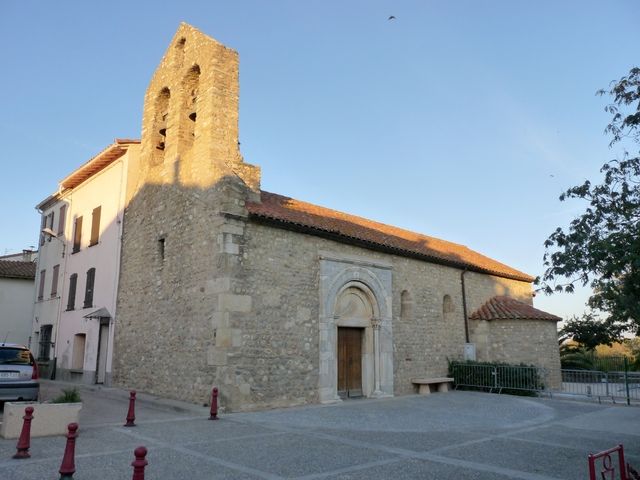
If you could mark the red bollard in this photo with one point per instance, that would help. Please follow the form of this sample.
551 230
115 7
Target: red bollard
214 404
68 466
139 463
25 436
131 414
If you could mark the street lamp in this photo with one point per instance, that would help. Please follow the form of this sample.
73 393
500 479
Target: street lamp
51 234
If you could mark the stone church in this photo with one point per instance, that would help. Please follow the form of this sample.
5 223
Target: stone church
277 301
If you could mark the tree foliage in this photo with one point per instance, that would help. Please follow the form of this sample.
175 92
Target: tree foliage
589 332
601 248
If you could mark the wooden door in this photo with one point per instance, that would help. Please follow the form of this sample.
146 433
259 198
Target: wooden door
349 362
103 341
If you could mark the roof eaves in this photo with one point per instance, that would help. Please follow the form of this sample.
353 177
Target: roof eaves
97 163
339 236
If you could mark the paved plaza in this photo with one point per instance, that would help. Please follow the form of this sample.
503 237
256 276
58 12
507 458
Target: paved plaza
457 435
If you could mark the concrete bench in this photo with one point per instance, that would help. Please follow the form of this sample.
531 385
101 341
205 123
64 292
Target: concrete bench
424 384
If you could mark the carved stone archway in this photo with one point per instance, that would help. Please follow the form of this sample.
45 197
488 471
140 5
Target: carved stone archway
356 292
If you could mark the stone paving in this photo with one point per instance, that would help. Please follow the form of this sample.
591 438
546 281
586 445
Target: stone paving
458 435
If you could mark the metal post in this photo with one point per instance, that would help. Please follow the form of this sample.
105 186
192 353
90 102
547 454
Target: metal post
592 467
139 463
213 414
626 379
494 372
131 414
25 436
68 466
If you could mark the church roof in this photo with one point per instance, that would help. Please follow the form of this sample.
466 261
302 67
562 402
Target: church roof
13 269
507 308
297 215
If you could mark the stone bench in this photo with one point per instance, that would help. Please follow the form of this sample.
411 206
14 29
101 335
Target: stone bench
424 384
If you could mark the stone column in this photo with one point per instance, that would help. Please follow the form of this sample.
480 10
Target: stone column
375 324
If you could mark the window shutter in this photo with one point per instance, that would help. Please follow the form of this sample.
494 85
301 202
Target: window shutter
88 293
41 288
95 226
71 300
77 235
54 280
61 219
43 223
50 223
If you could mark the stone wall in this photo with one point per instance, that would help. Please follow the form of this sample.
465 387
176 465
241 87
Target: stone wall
281 273
532 342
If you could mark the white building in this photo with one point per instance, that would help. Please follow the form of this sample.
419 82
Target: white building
17 274
78 268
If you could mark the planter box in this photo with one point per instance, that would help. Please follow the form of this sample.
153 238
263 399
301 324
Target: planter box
48 418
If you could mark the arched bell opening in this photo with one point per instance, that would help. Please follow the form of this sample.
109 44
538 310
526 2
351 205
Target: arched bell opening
189 114
160 125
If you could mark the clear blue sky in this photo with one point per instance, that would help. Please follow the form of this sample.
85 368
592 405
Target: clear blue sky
462 120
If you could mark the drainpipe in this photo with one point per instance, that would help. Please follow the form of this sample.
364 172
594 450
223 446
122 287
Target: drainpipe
464 306
65 235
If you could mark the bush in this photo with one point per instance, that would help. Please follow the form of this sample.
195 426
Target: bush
68 395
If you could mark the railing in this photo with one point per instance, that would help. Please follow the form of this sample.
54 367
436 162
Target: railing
499 378
603 464
623 385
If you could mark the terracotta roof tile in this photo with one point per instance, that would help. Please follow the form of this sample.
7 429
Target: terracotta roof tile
11 269
294 214
507 308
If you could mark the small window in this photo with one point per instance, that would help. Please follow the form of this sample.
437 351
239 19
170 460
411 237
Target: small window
54 280
79 342
161 247
88 293
41 288
45 342
448 308
77 234
61 219
406 305
95 226
71 300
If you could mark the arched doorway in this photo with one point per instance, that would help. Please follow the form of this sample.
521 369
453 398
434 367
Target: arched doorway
354 314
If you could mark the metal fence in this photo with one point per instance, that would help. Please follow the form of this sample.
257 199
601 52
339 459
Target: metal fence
620 385
498 378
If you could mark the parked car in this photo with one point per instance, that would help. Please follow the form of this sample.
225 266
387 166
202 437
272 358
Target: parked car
18 373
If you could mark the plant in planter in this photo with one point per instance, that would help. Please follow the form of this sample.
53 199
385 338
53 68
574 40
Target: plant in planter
68 395
49 418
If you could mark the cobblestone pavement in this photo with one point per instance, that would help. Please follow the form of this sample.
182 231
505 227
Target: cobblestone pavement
461 435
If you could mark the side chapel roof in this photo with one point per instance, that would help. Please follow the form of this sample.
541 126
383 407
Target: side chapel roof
297 215
507 308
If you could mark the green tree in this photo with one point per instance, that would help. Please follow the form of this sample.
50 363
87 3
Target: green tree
601 248
589 332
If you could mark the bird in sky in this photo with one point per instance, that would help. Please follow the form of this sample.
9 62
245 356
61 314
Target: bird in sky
391 17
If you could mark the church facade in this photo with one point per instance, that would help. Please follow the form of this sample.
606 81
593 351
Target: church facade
276 301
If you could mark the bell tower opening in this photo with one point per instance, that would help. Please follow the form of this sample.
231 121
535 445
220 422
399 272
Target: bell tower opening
160 125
